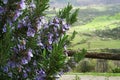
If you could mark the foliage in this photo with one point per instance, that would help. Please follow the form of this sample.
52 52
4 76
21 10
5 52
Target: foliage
85 66
116 70
32 47
80 55
66 14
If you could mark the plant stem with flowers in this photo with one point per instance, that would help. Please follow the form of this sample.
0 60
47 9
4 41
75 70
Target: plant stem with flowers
32 47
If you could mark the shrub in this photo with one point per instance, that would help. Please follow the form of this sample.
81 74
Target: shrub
32 47
116 70
85 66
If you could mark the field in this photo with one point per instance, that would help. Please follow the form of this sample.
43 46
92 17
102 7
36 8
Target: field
97 27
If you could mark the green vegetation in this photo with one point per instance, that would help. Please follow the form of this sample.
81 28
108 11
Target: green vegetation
101 30
116 70
101 23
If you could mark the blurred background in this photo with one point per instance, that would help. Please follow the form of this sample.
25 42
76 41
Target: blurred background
98 30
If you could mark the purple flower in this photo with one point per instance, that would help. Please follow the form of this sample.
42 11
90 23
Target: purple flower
24 61
57 34
66 26
29 24
25 75
21 47
39 24
63 29
11 64
57 25
50 38
41 45
50 35
30 32
1 10
24 21
56 20
17 14
50 41
5 1
22 4
30 53
5 69
40 75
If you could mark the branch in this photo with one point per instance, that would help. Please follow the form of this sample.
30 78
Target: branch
96 55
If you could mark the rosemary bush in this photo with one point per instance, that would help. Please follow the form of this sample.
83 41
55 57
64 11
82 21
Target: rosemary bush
31 46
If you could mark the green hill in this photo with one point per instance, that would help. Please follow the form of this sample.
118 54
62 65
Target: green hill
101 32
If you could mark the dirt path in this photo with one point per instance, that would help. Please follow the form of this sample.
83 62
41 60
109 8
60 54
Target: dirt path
89 77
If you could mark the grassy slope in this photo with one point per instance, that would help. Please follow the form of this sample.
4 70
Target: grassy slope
98 23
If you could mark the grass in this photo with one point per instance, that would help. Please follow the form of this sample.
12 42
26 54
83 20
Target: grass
94 74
